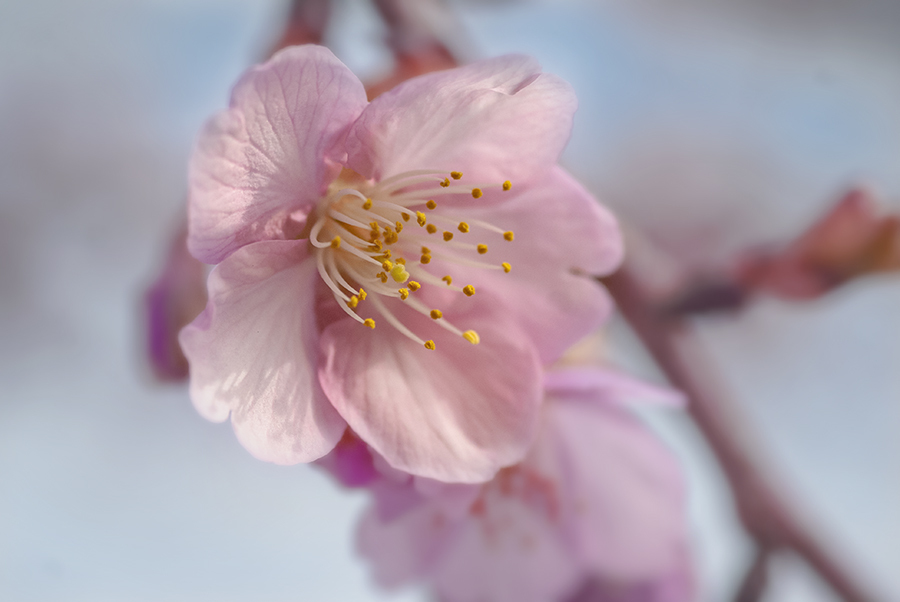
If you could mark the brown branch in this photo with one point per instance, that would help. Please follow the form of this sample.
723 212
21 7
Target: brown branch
754 584
417 48
762 510
305 23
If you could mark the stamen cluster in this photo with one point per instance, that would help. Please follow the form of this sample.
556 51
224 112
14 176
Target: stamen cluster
374 241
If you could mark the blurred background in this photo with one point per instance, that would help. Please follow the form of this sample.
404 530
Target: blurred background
710 127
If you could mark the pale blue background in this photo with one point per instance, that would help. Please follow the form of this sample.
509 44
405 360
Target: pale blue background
712 126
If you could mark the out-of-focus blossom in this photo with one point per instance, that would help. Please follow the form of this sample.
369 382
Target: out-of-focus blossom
853 239
595 511
403 267
175 298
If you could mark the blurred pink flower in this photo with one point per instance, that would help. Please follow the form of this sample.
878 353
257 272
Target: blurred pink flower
175 298
594 512
854 238
327 215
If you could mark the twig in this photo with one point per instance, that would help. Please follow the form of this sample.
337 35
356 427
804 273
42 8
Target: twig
416 45
763 512
305 23
754 584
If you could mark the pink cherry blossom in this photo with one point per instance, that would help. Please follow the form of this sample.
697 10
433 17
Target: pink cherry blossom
595 511
402 267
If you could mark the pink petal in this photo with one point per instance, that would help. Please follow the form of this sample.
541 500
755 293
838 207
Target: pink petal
518 558
350 462
625 487
511 547
405 545
455 414
252 354
563 237
608 385
266 157
493 120
453 499
512 556
399 492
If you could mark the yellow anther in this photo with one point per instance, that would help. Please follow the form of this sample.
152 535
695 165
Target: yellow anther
420 217
472 337
456 175
390 237
482 249
436 314
429 344
362 295
414 286
426 251
368 204
405 217
387 265
375 227
377 244
431 228
353 302
508 235
404 293
448 236
336 242
431 204
425 259
446 182
387 254
469 290
448 280
399 227
476 193
382 276
507 185
369 322
463 227
399 273
506 267
401 261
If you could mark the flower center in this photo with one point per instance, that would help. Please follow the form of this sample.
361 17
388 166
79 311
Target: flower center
376 240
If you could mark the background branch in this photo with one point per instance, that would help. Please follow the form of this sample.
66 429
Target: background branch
762 510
